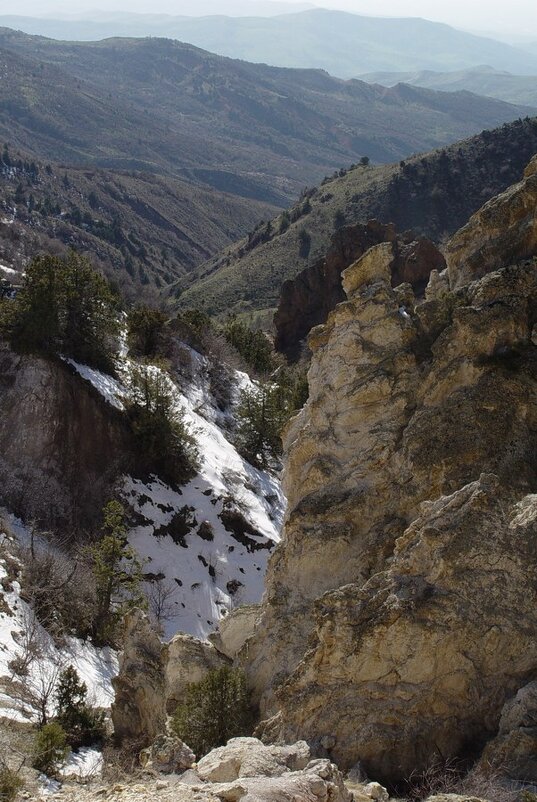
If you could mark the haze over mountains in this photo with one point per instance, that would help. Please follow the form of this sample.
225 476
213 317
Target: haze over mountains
255 131
344 44
190 8
210 145
482 80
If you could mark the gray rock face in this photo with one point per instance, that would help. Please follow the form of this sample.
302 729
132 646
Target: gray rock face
234 630
317 783
503 231
70 445
514 750
249 757
247 770
307 300
188 660
168 755
521 711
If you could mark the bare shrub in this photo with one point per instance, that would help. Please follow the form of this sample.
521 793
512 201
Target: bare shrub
35 690
450 777
10 782
30 643
122 763
222 359
489 782
161 596
440 777
59 588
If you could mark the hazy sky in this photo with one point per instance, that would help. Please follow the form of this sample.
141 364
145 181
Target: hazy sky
513 17
518 16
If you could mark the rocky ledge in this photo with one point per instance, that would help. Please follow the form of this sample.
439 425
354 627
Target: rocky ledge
307 300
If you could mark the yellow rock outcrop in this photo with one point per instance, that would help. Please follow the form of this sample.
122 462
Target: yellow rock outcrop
400 607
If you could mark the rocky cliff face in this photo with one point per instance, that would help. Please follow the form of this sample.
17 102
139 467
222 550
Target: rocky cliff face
502 232
399 612
139 707
69 446
307 300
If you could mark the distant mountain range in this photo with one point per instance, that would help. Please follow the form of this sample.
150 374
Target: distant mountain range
254 131
98 9
154 155
482 80
344 44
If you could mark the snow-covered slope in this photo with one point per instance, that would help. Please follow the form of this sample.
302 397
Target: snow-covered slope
206 545
23 638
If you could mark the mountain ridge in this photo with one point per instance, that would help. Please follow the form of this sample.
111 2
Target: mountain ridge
273 129
482 79
210 131
358 43
144 230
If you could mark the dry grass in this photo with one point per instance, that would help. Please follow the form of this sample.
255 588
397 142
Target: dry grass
122 763
489 783
449 777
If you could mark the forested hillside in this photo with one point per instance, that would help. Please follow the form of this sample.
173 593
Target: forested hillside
143 229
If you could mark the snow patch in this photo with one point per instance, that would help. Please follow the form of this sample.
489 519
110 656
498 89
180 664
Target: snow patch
206 545
111 389
95 666
87 763
48 786
9 270
208 542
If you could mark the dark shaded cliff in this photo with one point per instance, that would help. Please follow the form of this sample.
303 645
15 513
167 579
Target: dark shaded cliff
61 444
306 300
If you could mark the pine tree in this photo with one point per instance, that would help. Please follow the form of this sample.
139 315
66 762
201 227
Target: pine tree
64 306
264 410
118 575
145 330
261 414
304 243
214 710
82 725
50 748
163 442
32 321
19 194
254 347
88 313
70 695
